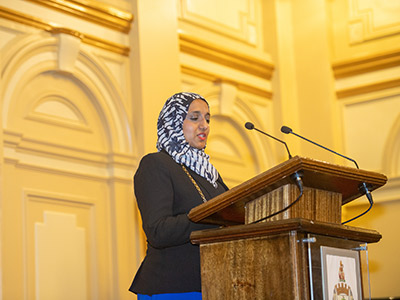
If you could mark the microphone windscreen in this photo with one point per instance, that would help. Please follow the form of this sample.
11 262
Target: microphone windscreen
249 125
286 129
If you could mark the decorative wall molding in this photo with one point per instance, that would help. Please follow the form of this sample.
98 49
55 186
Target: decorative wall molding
371 20
391 155
366 64
91 100
17 141
44 196
23 144
217 79
37 204
369 88
25 19
240 22
46 156
57 110
55 262
226 57
47 26
92 11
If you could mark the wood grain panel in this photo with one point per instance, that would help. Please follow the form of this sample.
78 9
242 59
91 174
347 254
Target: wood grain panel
252 269
271 260
315 204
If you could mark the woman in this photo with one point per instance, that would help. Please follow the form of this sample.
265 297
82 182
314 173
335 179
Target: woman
168 184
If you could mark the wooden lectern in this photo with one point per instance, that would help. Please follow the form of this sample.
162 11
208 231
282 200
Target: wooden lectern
280 257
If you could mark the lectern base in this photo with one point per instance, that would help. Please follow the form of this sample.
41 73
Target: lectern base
273 260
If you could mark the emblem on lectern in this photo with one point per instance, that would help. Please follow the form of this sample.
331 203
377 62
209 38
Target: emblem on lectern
341 274
342 291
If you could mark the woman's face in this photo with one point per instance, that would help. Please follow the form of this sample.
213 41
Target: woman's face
196 126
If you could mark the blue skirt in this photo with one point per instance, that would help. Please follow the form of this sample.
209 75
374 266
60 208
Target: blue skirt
177 296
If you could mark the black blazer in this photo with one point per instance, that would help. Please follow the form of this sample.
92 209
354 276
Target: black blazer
165 195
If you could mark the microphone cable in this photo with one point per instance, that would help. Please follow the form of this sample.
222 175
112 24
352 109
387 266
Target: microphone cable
299 184
360 215
371 203
362 188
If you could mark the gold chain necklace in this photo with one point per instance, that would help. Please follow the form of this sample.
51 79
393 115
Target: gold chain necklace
195 184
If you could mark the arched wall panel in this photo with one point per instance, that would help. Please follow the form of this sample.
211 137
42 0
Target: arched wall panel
67 135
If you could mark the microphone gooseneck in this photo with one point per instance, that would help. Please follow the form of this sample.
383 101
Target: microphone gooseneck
296 177
363 186
251 126
288 130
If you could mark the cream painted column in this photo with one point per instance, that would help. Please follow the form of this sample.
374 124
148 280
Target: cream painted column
155 66
315 86
279 41
303 86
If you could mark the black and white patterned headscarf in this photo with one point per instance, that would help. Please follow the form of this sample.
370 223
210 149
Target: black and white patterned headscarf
171 137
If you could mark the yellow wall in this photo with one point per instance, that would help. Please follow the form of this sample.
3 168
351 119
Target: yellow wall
78 108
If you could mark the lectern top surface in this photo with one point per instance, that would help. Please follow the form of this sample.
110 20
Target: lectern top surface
229 207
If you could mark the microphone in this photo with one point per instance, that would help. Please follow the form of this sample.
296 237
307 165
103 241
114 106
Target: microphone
296 176
288 130
251 126
363 187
